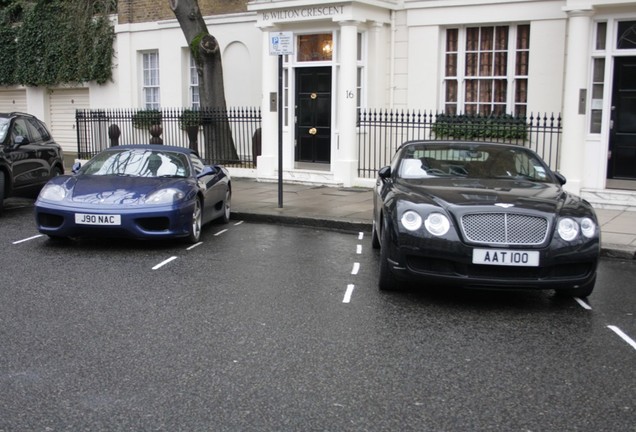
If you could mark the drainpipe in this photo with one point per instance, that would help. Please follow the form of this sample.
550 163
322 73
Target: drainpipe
392 61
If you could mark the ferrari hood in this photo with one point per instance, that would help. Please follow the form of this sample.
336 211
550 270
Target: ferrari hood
546 197
116 189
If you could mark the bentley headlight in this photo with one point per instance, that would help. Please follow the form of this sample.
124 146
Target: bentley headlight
437 224
411 220
53 192
588 227
568 229
164 196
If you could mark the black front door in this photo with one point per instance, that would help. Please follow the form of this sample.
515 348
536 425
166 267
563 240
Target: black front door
622 144
313 114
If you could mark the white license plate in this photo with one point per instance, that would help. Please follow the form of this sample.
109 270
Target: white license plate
506 257
97 219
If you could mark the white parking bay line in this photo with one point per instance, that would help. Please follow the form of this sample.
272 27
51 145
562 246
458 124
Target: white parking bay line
347 297
27 239
220 232
163 263
359 249
194 245
360 235
238 223
622 335
583 304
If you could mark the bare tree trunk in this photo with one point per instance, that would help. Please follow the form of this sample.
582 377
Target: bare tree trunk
205 49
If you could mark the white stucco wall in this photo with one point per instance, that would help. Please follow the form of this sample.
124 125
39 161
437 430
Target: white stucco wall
240 43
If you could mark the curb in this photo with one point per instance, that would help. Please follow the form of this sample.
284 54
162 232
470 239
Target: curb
335 224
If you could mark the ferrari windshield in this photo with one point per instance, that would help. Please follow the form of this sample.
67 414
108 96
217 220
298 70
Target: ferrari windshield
139 163
470 160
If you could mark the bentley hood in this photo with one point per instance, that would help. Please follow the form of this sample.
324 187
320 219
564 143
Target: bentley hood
545 197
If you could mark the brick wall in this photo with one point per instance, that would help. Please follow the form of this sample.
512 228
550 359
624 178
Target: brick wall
137 11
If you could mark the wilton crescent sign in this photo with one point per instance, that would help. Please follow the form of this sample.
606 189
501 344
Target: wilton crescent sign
303 13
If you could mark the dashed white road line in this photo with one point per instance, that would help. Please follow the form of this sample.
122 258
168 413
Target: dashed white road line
348 293
28 239
220 232
163 263
356 268
360 235
622 335
359 249
238 223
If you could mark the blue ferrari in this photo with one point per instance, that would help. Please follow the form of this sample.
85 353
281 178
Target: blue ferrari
136 191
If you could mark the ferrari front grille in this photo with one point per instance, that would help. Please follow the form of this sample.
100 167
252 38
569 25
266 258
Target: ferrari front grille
504 228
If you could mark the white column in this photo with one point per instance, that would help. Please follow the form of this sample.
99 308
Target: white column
576 79
267 162
346 160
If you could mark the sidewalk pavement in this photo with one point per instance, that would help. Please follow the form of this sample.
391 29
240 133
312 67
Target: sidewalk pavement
351 209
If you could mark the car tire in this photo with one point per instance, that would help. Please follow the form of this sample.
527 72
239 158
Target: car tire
1 191
375 240
386 281
580 292
227 207
196 222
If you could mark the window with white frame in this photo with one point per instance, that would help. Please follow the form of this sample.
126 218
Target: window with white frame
486 70
150 89
195 102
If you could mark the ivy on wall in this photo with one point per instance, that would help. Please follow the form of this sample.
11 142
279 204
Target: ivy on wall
52 42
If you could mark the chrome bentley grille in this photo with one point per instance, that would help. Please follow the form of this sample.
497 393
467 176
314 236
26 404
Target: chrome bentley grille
504 228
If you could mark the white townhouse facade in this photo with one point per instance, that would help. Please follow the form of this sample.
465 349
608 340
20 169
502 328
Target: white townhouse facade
576 58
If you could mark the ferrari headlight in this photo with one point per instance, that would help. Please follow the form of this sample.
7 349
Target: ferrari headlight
411 220
588 227
164 196
568 229
53 192
437 224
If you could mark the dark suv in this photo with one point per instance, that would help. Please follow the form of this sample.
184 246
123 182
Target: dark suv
28 155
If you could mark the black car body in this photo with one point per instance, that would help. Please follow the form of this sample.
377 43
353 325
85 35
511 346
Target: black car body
482 215
28 155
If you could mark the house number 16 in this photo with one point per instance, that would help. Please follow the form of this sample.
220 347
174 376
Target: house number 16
349 94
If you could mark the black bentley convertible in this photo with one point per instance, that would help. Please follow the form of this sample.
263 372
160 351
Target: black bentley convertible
481 215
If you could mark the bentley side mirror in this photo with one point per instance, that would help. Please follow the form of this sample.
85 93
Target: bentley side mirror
560 177
384 172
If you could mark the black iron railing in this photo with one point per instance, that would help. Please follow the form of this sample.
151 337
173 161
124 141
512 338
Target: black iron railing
230 137
381 132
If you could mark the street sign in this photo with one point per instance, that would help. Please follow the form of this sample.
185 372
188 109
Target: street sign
281 43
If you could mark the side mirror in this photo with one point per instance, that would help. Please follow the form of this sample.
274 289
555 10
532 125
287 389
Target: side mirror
384 172
76 167
560 178
207 170
20 140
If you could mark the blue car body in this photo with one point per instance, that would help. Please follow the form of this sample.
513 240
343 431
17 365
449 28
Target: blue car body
119 193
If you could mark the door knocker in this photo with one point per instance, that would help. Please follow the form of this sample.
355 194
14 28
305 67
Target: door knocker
313 96
313 131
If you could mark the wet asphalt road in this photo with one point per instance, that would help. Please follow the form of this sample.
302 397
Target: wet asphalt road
274 328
